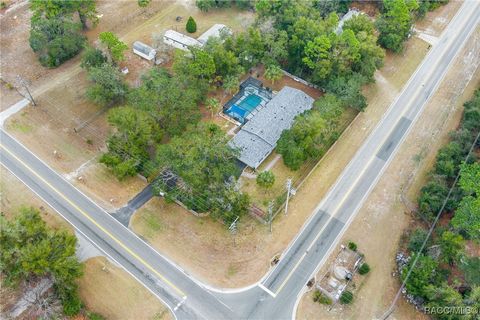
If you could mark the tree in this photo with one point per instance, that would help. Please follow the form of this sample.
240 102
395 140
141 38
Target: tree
431 198
205 5
55 40
191 25
275 47
352 246
327 7
395 23
93 58
371 54
143 3
451 245
441 296
423 274
59 9
364 268
170 100
128 146
346 297
225 61
29 249
205 167
230 84
346 53
467 215
197 63
318 57
115 46
311 134
416 239
348 90
213 105
108 86
249 47
273 73
266 179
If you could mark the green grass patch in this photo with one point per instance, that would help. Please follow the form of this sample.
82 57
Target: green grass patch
20 126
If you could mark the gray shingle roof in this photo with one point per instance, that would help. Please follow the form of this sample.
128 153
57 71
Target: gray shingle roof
258 137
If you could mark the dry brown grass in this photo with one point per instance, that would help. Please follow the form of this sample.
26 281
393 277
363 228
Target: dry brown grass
200 245
385 216
113 293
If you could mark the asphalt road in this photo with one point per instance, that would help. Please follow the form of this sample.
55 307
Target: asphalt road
276 296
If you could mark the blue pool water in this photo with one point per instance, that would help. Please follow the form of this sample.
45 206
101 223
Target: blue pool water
242 109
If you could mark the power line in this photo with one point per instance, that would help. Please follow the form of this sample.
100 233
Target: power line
430 231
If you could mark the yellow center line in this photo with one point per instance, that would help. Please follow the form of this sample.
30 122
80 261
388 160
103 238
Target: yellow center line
97 224
290 273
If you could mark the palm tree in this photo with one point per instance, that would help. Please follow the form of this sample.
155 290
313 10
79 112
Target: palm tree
213 105
273 73
230 83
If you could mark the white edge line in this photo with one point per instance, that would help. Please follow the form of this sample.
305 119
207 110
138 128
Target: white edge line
392 156
92 242
330 191
198 282
267 290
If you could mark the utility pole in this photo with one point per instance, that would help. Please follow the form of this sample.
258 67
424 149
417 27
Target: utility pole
289 190
270 214
24 85
233 230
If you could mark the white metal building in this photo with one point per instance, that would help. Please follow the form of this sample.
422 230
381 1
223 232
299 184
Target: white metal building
144 51
179 40
214 31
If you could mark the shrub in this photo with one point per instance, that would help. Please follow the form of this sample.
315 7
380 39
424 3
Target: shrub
364 269
321 298
266 179
71 303
416 239
191 25
352 246
55 40
346 297
93 58
95 316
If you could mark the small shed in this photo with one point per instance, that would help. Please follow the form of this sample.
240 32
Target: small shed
144 51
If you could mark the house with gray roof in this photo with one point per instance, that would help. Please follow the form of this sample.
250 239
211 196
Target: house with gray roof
259 136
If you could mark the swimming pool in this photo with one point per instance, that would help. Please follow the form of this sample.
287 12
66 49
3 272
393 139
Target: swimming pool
241 109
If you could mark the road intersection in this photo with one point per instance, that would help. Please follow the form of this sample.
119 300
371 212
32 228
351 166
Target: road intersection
277 294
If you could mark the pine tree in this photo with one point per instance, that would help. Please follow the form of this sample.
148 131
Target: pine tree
191 25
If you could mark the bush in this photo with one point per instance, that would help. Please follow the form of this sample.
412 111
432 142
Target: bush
71 303
321 298
364 269
93 58
266 179
191 25
346 297
416 239
55 40
95 316
352 246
